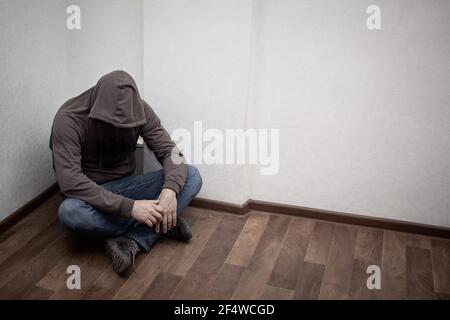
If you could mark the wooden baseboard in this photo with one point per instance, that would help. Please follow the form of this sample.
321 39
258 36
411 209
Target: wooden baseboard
318 214
221 206
28 207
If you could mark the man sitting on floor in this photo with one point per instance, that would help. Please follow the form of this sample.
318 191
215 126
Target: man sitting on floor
93 140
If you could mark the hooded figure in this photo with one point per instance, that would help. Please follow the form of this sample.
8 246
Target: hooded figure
93 139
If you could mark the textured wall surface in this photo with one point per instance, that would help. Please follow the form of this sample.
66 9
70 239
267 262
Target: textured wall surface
42 65
110 39
196 56
33 83
364 115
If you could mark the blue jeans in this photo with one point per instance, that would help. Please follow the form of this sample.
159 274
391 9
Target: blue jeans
80 217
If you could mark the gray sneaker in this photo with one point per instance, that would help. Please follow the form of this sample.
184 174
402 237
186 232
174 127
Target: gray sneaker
122 251
181 232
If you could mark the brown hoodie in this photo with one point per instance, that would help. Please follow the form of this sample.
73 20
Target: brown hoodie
93 140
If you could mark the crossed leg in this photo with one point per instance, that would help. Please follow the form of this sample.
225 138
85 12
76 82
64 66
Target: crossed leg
80 217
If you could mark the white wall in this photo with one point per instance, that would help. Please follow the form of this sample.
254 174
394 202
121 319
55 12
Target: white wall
110 39
363 115
196 56
32 82
42 65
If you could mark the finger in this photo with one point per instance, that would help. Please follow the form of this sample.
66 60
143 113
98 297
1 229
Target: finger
158 227
151 218
159 208
164 222
155 201
157 215
169 221
148 222
174 218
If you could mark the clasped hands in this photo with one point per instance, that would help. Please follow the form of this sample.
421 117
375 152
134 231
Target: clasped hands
160 213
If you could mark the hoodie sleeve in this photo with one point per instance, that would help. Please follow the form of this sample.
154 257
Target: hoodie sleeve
159 141
72 181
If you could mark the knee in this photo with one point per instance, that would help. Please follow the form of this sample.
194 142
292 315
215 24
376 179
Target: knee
194 179
69 213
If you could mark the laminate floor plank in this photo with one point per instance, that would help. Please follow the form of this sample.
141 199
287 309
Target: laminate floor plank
309 281
358 288
77 251
247 241
29 274
196 283
393 267
38 293
225 282
293 250
419 274
419 241
26 229
320 243
338 271
369 245
275 293
162 287
91 269
202 230
440 254
368 252
6 234
256 276
190 214
17 261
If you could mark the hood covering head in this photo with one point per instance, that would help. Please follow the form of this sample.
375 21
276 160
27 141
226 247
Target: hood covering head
115 100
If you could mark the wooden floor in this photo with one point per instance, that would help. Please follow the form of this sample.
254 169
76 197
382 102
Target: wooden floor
259 255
